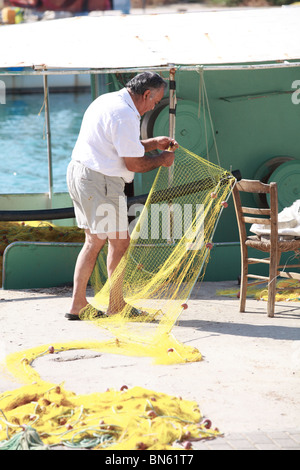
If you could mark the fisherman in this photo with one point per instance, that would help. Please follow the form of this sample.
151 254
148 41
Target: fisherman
106 155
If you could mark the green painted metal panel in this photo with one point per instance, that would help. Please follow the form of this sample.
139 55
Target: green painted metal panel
37 264
224 262
193 129
31 265
287 177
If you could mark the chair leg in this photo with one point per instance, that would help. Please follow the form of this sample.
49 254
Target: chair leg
272 285
271 298
244 283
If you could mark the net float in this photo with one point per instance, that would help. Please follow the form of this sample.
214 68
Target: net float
206 423
141 446
187 445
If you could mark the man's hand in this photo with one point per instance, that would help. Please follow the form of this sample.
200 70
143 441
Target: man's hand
159 143
164 143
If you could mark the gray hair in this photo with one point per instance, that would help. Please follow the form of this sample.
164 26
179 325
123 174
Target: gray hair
145 81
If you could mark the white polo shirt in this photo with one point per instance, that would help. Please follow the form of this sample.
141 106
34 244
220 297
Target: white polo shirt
110 130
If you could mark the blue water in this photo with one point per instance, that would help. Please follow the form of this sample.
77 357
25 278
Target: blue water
23 141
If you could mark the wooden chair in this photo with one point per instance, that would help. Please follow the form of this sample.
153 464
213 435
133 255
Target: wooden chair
274 245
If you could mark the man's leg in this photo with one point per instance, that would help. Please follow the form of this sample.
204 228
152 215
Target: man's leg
117 246
84 267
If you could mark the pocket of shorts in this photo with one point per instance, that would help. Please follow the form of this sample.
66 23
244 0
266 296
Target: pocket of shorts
114 187
85 174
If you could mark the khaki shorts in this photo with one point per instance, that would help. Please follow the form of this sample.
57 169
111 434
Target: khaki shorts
99 201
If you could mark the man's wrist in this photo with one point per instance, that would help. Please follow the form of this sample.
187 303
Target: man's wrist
150 144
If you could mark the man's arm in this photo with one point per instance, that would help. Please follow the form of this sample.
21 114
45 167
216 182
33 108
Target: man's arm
149 162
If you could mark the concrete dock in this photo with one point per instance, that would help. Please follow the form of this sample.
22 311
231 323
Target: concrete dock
248 383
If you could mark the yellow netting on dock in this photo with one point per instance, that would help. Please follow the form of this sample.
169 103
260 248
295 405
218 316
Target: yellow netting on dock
42 414
288 290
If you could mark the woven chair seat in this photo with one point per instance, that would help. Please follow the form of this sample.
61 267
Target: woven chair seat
263 244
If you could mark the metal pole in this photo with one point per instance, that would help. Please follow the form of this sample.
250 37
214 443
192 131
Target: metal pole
48 134
172 103
161 68
172 113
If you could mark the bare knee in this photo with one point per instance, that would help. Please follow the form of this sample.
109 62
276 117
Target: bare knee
119 244
93 242
116 249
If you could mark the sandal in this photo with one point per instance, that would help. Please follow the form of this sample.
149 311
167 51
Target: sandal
134 312
87 313
72 316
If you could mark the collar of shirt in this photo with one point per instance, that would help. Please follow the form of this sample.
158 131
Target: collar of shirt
128 100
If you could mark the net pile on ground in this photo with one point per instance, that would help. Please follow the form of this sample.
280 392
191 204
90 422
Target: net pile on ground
169 250
42 414
288 290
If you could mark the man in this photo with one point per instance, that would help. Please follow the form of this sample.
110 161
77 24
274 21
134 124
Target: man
107 153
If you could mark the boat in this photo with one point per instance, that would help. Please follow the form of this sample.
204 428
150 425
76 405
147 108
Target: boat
237 76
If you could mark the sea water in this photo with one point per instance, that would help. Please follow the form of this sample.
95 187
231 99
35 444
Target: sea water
23 140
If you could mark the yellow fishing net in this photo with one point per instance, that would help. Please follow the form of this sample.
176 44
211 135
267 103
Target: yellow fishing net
288 290
42 414
169 250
